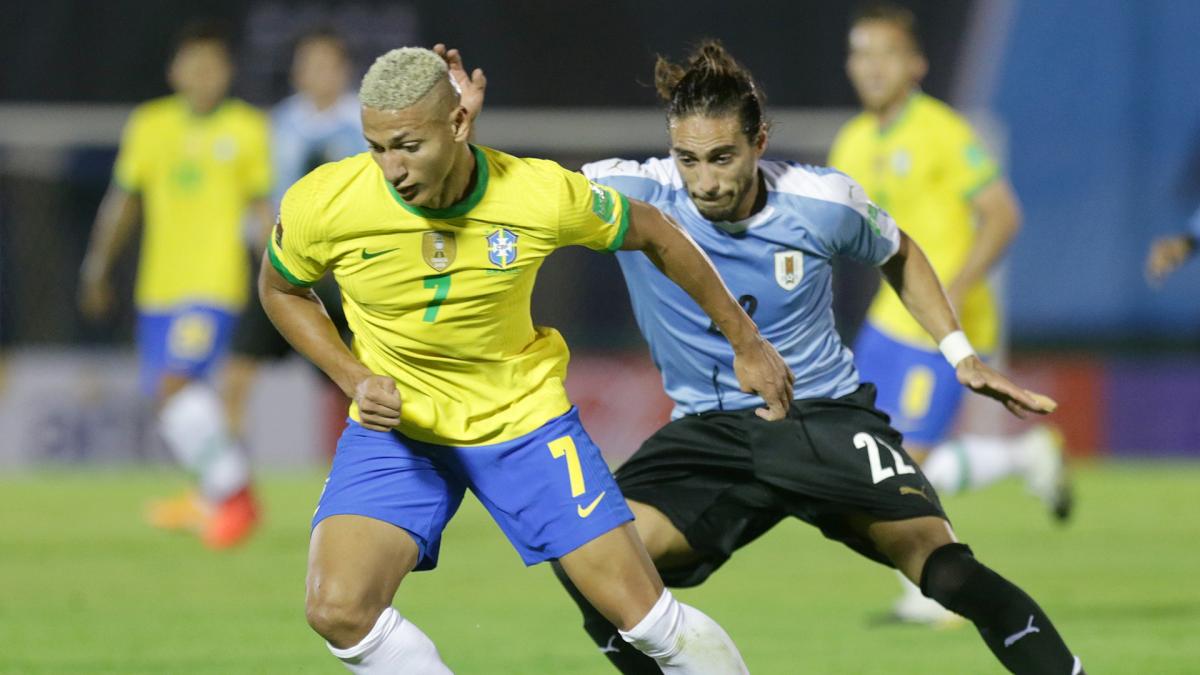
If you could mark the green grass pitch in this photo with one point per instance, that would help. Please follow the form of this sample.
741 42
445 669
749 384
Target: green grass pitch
86 588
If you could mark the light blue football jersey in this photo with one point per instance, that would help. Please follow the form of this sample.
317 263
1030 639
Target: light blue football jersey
303 138
778 263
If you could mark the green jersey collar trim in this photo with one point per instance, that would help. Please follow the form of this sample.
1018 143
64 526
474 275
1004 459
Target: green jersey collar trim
623 227
885 131
454 210
283 271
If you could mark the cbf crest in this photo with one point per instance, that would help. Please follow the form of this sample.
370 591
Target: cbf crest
789 269
438 249
502 248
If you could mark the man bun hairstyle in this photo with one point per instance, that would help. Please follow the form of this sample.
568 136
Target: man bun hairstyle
401 77
711 83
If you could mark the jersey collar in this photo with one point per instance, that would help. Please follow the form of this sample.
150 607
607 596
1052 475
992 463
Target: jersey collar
459 208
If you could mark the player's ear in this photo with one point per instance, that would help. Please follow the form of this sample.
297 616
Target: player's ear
760 141
460 124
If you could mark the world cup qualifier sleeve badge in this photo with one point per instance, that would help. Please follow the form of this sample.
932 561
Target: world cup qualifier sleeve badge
502 248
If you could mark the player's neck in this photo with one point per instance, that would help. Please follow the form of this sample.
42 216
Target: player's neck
890 112
203 108
461 180
323 103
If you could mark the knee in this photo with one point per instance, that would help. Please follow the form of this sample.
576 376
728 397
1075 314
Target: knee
340 616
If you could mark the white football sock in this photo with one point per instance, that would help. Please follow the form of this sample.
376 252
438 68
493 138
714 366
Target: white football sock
683 640
394 646
193 424
972 462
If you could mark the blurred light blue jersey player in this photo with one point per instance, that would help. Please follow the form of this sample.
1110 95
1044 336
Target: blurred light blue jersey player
304 137
777 262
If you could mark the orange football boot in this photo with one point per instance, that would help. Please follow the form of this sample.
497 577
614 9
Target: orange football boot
232 521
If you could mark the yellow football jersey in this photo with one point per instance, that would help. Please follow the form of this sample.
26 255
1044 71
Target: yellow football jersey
924 169
438 299
195 175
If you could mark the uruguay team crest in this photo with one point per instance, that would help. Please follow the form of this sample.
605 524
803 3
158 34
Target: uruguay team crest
789 269
438 249
502 248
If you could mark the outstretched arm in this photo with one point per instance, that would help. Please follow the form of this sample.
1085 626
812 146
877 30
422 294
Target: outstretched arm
758 366
913 278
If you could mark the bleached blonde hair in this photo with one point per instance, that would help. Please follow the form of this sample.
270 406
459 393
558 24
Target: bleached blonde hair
401 77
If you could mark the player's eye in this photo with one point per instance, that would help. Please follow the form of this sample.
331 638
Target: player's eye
723 159
376 148
411 147
687 161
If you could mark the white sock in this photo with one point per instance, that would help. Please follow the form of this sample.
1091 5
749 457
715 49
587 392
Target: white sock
683 640
972 462
193 424
394 646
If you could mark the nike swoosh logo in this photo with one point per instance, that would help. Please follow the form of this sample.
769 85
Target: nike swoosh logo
584 512
367 255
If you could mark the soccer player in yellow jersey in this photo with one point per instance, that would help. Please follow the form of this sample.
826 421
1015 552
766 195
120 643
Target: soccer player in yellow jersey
435 244
191 165
922 163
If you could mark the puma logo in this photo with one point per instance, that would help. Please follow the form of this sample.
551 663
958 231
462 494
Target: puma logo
906 490
1012 639
609 648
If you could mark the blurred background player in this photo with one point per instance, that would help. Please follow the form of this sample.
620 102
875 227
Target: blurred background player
317 124
1169 253
921 162
192 164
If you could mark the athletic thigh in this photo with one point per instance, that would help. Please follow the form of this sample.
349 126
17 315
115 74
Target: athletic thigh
384 476
693 487
837 460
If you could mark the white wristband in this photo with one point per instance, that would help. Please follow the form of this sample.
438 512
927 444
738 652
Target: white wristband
955 347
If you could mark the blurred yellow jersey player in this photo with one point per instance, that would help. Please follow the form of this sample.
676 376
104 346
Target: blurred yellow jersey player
193 165
925 167
921 161
439 299
196 173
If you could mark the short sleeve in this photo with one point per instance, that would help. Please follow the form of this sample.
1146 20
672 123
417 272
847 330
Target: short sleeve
969 165
648 182
134 158
859 229
590 214
298 249
256 166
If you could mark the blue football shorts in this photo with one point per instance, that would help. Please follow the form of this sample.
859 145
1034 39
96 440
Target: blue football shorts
187 341
550 491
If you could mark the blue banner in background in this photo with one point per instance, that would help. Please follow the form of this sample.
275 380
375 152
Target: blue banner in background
1103 108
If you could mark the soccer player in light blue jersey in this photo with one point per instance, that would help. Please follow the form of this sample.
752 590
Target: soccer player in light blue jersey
718 476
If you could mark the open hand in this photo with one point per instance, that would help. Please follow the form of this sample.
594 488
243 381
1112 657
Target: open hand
471 87
980 378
